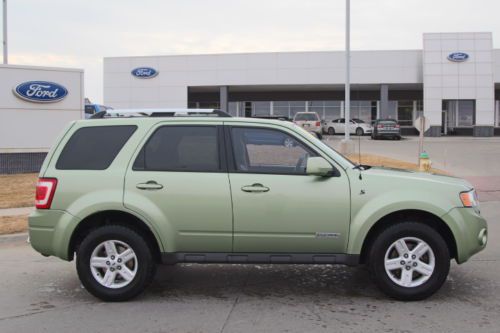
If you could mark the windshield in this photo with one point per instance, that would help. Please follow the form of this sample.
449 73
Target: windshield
322 144
306 117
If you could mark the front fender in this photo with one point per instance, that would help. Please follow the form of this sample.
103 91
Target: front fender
369 212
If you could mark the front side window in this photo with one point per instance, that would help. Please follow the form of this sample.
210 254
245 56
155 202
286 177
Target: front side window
94 147
181 148
259 150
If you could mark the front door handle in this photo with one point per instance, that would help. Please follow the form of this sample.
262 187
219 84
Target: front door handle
257 188
149 185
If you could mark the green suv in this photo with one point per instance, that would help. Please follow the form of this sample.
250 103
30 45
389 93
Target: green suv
128 192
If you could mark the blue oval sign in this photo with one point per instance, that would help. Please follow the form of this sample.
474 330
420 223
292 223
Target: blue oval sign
458 56
40 91
144 72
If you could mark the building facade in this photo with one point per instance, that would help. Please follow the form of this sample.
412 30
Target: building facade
454 81
36 103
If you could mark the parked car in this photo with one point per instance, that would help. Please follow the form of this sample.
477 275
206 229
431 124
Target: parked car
91 109
121 195
310 121
356 126
386 128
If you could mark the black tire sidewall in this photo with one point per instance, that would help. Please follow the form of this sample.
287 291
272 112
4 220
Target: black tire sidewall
144 259
428 235
359 131
331 131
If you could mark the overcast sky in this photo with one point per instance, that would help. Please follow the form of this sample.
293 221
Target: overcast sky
79 33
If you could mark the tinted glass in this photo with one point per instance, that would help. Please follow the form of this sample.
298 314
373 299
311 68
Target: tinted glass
181 148
93 148
387 122
89 109
268 151
306 117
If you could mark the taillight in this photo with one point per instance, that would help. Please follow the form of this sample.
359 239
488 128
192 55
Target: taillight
318 123
45 189
397 126
380 126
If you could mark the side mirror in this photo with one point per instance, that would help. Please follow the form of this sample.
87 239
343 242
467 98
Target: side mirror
318 166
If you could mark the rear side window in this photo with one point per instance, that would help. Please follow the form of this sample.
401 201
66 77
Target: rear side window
94 148
181 148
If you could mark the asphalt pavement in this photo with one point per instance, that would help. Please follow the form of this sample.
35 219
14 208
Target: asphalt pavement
41 294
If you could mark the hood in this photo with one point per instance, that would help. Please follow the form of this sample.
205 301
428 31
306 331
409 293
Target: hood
411 175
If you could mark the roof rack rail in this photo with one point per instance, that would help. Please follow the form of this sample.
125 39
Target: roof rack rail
127 113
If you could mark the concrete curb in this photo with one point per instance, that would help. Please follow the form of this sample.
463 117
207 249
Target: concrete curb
16 211
10 238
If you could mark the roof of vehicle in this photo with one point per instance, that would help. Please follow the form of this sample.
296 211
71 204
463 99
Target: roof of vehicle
194 119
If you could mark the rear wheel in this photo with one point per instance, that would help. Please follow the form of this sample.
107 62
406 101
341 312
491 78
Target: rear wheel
409 261
114 263
331 131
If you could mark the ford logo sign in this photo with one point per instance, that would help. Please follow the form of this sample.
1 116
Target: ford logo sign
144 72
40 91
458 56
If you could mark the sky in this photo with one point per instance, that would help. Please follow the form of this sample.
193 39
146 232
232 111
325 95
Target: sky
79 33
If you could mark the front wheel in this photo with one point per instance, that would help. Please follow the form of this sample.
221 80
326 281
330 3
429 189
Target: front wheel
115 263
359 131
409 261
331 131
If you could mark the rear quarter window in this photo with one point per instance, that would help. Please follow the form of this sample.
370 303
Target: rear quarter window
94 148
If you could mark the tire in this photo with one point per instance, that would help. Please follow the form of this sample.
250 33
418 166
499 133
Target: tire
374 137
331 131
359 131
398 137
141 268
392 283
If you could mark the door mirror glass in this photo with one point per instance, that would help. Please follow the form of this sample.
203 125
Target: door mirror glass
318 166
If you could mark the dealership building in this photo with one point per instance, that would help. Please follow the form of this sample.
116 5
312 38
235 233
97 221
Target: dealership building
454 81
36 103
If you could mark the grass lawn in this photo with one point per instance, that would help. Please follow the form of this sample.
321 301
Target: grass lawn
13 224
17 190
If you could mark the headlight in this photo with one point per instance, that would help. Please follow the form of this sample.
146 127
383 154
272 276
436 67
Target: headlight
469 199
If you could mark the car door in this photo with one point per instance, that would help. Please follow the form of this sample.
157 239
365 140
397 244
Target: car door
178 181
339 126
276 206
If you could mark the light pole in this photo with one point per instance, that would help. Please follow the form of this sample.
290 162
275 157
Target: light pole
347 103
5 59
346 145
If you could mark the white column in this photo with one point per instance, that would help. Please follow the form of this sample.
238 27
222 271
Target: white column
5 51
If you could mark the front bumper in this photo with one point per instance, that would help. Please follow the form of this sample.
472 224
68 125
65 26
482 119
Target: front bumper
50 232
470 231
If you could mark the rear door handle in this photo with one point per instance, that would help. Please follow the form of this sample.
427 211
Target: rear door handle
256 188
149 185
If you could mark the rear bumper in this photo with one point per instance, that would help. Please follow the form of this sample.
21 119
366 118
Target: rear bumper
470 231
388 133
50 232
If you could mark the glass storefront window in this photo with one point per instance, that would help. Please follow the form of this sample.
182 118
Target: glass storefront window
465 116
459 113
405 113
233 109
261 108
362 110
327 110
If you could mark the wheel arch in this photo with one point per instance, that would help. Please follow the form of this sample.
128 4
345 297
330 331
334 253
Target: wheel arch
113 217
419 216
